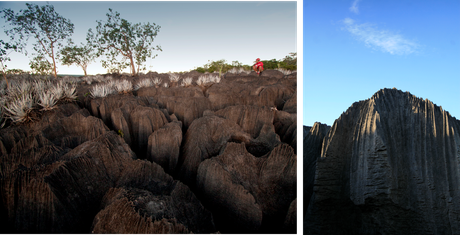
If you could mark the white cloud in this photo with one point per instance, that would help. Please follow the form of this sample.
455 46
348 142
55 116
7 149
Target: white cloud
381 39
354 6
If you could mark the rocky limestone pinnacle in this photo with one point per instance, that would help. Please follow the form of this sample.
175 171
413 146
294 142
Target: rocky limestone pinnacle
388 165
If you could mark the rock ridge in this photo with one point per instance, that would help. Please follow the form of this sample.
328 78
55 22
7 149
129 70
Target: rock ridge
389 164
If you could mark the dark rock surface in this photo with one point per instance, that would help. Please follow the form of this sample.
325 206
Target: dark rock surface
251 193
388 165
128 163
312 144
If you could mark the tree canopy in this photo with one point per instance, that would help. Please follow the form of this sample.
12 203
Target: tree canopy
45 25
79 55
5 50
117 36
40 65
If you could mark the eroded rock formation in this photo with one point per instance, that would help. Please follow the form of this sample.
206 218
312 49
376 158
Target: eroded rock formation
388 165
129 163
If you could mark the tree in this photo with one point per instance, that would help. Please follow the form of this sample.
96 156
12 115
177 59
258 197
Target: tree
237 64
5 50
270 64
117 37
78 55
45 25
290 61
40 65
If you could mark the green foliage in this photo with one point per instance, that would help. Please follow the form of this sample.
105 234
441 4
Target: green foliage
78 55
236 64
43 24
289 63
120 133
15 71
270 64
117 37
87 94
5 50
41 66
201 70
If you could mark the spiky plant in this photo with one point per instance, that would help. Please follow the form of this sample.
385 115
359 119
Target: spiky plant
284 71
241 70
111 83
70 92
19 89
143 83
47 100
187 82
101 90
19 109
174 77
87 79
157 81
233 70
123 86
202 80
207 79
100 78
214 78
58 90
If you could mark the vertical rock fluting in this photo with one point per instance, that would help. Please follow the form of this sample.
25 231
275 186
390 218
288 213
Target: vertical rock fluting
312 143
389 165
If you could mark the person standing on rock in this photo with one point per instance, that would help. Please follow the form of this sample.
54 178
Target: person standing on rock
258 67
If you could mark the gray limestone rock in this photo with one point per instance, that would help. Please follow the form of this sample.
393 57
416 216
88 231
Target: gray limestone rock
312 143
389 165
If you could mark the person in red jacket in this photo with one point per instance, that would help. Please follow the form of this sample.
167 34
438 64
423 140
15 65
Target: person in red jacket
258 67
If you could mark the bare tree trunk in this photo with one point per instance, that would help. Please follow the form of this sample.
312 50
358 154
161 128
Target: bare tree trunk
7 85
133 69
54 61
4 75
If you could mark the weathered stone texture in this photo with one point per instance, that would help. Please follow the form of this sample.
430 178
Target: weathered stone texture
389 164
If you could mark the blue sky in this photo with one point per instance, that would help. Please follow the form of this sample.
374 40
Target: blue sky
353 48
191 32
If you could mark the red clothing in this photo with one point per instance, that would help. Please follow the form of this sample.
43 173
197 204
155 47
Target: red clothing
259 64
